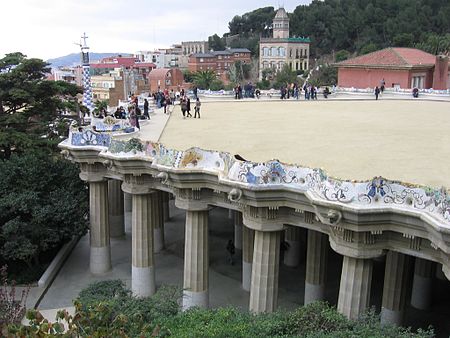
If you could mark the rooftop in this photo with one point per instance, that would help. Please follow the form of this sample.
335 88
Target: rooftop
356 140
400 57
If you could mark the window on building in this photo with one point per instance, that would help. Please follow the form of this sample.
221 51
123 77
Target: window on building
219 57
274 51
282 51
202 60
418 81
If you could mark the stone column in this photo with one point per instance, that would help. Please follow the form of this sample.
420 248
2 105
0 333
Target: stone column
196 260
422 284
127 206
264 286
394 288
230 214
142 269
354 290
166 206
237 230
440 274
158 225
292 238
116 209
247 256
100 253
316 266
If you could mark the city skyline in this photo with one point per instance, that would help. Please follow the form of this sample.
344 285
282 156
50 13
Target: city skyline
51 28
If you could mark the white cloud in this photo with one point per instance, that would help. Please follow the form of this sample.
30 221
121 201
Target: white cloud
49 28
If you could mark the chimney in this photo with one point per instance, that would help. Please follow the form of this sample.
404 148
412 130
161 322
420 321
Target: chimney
440 76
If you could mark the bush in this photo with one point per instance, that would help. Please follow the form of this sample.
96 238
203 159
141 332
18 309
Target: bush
43 204
110 310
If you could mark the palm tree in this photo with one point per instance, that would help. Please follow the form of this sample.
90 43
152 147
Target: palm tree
204 78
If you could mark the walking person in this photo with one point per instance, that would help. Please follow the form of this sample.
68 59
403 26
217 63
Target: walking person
146 115
376 92
188 107
231 251
197 108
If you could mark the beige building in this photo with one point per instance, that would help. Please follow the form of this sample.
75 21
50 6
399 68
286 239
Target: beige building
281 49
109 87
193 47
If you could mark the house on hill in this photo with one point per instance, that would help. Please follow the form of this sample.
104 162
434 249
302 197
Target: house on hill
399 67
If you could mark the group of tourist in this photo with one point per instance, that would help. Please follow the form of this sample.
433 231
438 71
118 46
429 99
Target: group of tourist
248 91
185 103
293 90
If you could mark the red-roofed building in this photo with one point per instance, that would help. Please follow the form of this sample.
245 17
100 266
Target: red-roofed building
166 78
399 67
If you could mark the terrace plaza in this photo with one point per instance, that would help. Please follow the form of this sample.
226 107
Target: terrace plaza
376 207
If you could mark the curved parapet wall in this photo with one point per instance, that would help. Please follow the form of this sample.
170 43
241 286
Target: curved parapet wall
377 194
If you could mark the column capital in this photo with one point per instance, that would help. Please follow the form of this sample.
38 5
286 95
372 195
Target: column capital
190 199
262 218
93 172
138 185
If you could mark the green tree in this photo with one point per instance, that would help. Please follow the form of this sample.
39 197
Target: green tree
215 42
29 104
342 55
284 76
204 78
43 204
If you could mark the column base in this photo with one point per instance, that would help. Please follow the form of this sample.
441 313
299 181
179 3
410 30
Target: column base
421 292
314 292
158 240
116 226
292 254
191 299
127 216
246 275
100 259
142 281
391 317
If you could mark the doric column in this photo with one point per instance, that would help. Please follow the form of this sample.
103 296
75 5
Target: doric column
316 266
292 253
116 209
142 270
264 286
422 284
394 288
354 290
166 207
237 230
127 206
158 230
247 256
196 260
100 254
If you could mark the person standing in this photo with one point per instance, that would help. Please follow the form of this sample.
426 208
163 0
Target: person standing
183 106
188 107
382 85
146 115
376 92
197 108
195 92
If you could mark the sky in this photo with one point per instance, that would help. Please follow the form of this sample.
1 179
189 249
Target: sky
50 28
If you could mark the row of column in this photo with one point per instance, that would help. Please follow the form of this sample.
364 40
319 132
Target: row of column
110 213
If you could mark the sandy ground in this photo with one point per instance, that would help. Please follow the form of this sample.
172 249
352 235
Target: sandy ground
400 140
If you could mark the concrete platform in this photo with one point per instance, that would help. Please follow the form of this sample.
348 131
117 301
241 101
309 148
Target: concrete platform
402 140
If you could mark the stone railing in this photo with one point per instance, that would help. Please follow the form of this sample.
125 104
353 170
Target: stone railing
377 194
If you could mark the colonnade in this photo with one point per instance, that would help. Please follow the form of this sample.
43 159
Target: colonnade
145 210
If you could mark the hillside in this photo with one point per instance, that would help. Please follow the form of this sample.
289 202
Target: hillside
74 59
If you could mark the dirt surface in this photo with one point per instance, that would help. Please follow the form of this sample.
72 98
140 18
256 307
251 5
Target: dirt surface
400 140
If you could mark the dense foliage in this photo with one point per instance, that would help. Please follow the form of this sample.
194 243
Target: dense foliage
43 204
30 106
356 26
115 313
